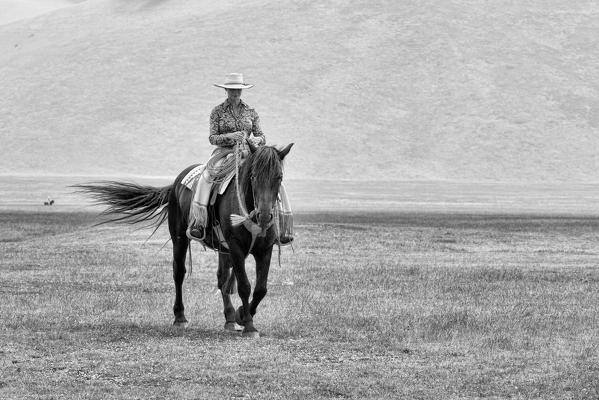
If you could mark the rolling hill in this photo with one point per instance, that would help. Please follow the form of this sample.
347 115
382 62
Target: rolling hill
14 10
368 90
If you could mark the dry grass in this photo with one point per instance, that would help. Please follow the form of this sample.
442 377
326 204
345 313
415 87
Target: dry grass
391 306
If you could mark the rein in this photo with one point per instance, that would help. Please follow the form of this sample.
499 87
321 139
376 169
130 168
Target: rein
245 218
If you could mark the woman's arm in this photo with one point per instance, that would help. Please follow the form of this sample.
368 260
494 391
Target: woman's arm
259 137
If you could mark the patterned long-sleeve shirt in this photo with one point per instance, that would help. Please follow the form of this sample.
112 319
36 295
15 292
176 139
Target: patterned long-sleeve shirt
222 121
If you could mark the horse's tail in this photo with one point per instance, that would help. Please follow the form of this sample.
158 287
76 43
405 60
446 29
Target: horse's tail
129 202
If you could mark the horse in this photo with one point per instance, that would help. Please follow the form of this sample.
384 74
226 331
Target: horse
255 190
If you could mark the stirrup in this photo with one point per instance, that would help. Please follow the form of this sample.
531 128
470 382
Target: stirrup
285 241
196 233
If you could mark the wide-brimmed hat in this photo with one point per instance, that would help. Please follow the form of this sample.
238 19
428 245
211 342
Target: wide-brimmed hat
234 81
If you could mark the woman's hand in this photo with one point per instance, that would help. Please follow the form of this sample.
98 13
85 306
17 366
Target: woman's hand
256 141
235 137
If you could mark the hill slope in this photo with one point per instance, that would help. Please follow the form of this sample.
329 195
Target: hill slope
370 90
14 10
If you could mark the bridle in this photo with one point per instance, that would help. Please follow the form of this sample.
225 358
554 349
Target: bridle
253 213
247 219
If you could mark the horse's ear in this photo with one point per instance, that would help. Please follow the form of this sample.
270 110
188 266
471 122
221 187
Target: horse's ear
252 146
285 151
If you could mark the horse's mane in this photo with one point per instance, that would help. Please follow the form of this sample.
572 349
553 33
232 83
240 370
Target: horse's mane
264 164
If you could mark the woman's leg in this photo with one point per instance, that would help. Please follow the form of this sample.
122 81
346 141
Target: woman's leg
198 212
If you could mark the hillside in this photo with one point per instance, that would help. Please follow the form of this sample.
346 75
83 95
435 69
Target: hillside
14 10
368 90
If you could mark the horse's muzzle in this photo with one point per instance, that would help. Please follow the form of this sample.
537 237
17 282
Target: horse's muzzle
264 218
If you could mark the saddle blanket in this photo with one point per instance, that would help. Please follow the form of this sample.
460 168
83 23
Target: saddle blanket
189 181
192 176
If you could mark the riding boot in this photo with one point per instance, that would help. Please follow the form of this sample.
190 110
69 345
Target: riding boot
285 218
198 211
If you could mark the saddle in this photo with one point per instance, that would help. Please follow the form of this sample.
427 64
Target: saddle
214 235
190 181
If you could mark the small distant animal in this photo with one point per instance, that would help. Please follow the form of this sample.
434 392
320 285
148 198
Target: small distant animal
49 202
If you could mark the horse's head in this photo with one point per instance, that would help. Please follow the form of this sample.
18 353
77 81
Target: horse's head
265 170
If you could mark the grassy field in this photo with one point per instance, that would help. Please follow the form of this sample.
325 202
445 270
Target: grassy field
404 305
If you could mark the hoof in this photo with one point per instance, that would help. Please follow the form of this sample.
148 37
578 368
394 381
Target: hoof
251 334
180 324
232 327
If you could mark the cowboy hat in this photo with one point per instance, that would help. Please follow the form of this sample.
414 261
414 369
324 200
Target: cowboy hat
234 81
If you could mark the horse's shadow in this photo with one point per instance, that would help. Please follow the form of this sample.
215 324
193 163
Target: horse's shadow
130 331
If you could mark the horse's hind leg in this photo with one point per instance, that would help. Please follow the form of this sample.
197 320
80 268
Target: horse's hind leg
179 252
242 315
180 246
227 286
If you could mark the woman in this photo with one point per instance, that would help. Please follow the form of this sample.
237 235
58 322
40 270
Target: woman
231 122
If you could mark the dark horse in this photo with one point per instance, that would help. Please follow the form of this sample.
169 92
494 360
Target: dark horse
259 182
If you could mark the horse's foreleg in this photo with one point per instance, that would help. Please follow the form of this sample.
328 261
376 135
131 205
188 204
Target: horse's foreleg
226 285
262 268
242 315
180 245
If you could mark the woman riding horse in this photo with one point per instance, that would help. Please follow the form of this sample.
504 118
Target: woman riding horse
246 213
250 212
231 122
